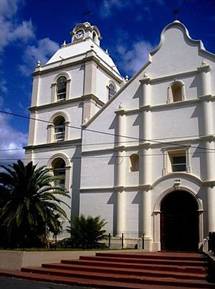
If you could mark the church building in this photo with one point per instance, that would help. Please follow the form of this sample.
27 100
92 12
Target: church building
139 153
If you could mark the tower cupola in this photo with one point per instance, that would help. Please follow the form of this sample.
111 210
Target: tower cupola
85 30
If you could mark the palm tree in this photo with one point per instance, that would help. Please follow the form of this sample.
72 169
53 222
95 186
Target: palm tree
29 208
86 232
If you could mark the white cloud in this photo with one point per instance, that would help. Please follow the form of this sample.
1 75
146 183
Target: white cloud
3 87
24 32
12 141
21 32
3 91
108 7
8 8
40 51
134 58
10 29
14 31
10 32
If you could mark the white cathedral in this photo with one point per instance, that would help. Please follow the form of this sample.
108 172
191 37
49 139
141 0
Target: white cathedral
138 153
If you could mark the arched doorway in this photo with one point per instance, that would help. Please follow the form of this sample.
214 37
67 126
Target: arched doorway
179 222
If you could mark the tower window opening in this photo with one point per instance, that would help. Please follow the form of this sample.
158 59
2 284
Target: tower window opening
59 128
94 35
176 89
59 170
61 88
111 90
134 161
178 161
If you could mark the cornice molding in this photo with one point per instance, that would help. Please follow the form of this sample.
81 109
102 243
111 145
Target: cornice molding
119 148
175 148
54 145
145 80
117 188
165 145
208 183
183 103
179 74
148 187
145 145
145 108
207 97
65 102
91 57
120 111
209 138
204 68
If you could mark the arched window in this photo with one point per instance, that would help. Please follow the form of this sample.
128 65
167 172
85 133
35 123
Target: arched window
177 93
111 90
94 35
59 171
59 128
134 161
61 88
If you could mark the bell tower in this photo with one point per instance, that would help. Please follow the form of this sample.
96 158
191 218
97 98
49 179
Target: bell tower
85 31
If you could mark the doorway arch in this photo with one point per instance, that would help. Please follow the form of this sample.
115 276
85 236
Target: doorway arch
179 222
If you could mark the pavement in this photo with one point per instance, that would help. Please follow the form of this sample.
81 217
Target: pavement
16 283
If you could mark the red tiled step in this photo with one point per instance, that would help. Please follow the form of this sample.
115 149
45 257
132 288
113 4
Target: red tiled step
145 261
157 255
85 282
120 278
126 271
165 267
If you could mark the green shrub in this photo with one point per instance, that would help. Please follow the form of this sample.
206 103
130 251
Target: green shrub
87 232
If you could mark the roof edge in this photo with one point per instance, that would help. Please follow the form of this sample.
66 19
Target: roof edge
185 31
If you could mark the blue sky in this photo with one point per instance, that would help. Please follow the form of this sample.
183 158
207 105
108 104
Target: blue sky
32 30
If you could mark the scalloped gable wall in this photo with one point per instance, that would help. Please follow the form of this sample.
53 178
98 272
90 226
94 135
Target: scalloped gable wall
176 54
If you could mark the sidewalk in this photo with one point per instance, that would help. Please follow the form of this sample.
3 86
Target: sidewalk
15 283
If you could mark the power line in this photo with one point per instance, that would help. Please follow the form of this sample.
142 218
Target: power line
97 157
95 144
106 133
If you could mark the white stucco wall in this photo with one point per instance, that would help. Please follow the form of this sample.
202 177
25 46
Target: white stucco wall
75 73
103 206
177 125
73 114
106 178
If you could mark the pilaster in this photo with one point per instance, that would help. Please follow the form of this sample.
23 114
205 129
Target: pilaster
120 164
207 119
50 133
90 78
208 131
35 90
145 167
53 92
120 212
205 74
32 129
211 210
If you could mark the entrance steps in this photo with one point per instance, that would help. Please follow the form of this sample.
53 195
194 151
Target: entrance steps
125 270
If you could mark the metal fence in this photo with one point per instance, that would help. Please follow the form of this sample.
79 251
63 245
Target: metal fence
211 242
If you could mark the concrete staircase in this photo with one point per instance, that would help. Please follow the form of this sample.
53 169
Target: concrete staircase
126 270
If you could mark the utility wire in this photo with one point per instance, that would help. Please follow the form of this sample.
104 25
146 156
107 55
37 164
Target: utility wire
96 144
103 132
98 157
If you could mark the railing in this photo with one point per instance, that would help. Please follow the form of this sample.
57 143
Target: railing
122 240
211 242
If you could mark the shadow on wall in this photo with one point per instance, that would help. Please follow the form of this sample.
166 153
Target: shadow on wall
112 201
75 188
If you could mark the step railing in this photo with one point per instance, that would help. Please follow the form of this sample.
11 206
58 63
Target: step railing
211 242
